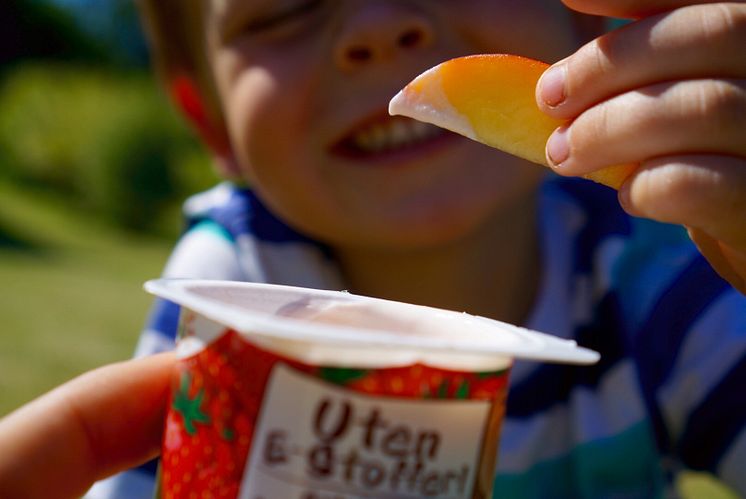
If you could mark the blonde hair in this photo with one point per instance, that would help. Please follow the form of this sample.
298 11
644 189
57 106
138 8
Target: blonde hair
176 35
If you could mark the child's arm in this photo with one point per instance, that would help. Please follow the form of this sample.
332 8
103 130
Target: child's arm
668 92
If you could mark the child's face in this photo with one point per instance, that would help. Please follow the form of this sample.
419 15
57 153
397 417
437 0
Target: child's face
305 86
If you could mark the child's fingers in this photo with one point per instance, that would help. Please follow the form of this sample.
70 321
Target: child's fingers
694 116
632 9
692 42
102 422
729 263
704 192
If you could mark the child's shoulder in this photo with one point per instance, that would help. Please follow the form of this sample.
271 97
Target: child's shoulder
239 213
229 228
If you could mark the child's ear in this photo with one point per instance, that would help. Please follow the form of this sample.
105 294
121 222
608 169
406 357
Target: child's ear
188 98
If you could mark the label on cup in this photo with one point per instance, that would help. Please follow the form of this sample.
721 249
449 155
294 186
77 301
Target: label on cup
247 423
314 440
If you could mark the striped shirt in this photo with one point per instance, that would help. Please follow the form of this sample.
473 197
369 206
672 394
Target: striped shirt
667 394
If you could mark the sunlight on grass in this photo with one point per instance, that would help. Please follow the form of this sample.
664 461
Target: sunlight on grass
703 486
72 295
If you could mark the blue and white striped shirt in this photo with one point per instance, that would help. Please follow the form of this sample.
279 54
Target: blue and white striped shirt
667 395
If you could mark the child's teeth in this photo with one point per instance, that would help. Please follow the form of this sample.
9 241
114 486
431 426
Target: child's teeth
399 133
378 138
423 130
364 140
393 134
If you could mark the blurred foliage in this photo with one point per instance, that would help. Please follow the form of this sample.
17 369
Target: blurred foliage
32 29
113 24
83 118
107 140
119 29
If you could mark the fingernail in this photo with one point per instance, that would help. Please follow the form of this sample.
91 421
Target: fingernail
558 146
552 85
625 199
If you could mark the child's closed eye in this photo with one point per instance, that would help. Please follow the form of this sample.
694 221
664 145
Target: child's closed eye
275 18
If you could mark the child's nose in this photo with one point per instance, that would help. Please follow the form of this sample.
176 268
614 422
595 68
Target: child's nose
380 31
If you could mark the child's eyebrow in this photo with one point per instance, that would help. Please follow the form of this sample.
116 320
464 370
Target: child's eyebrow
221 11
222 14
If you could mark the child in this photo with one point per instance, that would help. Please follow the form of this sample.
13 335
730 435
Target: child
291 96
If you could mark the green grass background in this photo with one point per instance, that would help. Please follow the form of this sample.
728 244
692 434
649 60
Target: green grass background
71 299
71 293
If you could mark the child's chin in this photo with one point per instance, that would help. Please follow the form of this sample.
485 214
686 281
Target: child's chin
421 231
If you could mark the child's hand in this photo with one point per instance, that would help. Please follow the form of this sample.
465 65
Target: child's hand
668 92
105 421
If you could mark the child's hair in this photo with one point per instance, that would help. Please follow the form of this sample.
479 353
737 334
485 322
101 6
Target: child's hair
173 29
175 32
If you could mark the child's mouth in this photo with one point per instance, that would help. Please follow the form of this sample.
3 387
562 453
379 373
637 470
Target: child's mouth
386 135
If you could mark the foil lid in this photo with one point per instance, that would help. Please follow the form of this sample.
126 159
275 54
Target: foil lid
359 326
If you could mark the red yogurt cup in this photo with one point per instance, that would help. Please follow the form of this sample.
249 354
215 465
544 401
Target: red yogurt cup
286 392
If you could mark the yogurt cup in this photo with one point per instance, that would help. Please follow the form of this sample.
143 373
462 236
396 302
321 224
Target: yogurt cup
286 392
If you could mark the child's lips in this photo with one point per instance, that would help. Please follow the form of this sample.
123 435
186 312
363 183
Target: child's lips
386 136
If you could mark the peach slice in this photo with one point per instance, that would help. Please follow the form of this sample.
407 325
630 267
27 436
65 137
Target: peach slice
490 98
